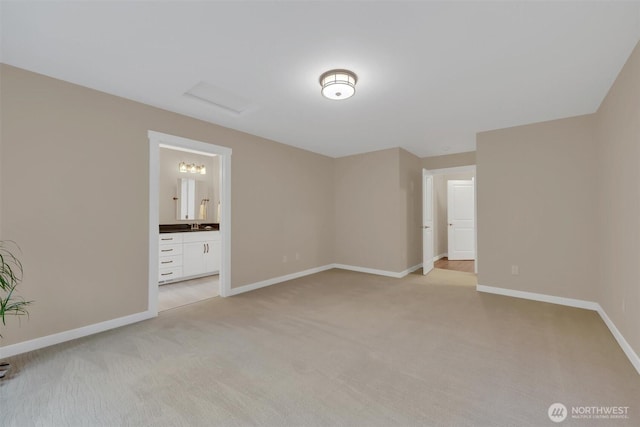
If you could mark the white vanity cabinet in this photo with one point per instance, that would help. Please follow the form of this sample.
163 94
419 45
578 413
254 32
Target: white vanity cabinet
201 253
188 254
170 257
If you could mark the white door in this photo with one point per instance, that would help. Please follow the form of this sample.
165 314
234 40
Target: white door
460 213
427 222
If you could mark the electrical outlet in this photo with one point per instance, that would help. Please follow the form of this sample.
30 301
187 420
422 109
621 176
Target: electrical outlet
284 259
623 307
297 256
515 270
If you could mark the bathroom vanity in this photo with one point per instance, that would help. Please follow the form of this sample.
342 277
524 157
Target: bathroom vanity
186 252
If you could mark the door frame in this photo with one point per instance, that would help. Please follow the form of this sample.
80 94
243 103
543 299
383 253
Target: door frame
427 193
159 140
462 169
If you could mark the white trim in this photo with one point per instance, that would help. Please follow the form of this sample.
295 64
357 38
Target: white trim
475 222
455 169
397 275
154 196
186 144
570 302
438 257
631 355
157 140
588 305
411 269
275 280
225 225
60 337
368 270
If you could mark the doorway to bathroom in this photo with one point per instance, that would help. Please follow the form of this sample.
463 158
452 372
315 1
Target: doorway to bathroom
189 215
189 221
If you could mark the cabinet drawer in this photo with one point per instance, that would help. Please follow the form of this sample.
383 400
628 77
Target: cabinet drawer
167 274
201 236
170 250
170 261
170 238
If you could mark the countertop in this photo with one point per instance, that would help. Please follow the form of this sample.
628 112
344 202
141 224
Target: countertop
186 228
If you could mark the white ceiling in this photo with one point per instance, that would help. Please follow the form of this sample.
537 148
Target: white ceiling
431 74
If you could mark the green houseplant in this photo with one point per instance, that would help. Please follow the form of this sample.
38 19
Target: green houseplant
10 277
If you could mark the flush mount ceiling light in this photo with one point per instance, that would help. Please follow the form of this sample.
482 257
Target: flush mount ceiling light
338 84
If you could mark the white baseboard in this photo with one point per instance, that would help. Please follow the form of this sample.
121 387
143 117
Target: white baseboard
273 281
397 275
632 355
46 341
588 305
438 257
411 269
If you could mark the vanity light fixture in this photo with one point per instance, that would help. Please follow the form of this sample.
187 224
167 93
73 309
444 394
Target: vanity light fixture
192 167
338 84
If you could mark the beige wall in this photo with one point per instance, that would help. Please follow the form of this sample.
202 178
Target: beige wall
618 133
169 160
440 191
282 199
562 200
537 208
1 138
449 160
74 173
411 207
378 211
369 232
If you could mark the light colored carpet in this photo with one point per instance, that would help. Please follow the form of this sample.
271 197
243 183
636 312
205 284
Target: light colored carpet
336 348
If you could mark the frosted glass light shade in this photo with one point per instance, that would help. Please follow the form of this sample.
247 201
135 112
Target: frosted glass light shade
338 84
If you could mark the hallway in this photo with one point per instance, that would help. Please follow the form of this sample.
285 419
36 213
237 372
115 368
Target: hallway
464 265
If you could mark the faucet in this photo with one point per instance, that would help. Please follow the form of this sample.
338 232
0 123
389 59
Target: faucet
195 226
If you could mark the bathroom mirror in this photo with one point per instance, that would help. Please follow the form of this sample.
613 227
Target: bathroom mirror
193 200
